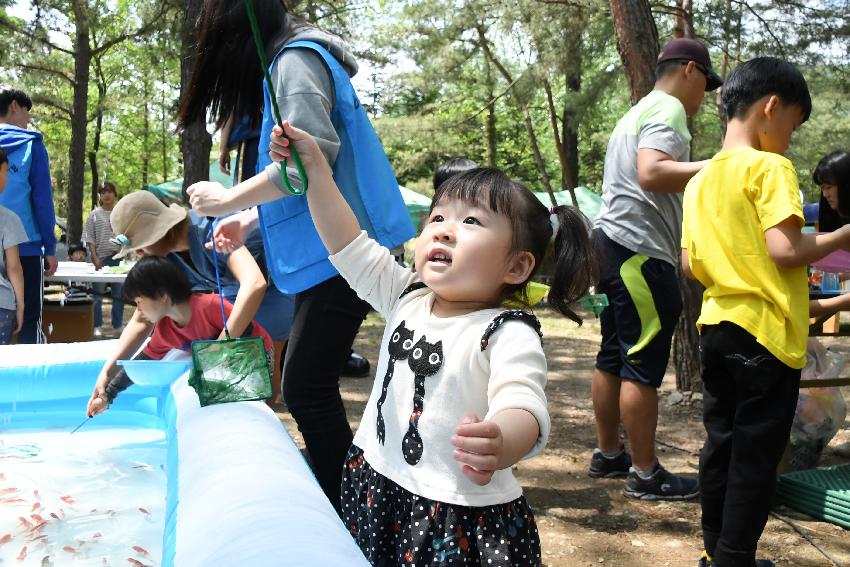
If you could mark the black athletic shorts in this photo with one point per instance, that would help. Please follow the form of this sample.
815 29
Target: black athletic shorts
644 304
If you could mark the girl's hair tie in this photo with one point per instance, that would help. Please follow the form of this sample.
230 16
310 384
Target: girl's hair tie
553 220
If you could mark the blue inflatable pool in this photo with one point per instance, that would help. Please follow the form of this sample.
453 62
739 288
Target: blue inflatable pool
237 490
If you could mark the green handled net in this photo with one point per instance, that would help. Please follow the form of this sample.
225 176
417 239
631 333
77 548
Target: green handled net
229 370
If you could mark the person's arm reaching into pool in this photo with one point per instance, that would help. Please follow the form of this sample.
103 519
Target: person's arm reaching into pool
112 378
252 289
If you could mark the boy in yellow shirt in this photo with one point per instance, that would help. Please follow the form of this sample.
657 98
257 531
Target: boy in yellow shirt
741 238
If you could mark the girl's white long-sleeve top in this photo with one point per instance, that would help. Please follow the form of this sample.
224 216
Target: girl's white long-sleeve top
433 370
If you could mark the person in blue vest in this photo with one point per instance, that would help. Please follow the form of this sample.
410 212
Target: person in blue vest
310 72
29 194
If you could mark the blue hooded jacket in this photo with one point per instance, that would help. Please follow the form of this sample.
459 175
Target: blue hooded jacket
29 193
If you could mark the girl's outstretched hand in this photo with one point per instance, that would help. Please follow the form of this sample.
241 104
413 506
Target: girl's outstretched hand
308 149
478 448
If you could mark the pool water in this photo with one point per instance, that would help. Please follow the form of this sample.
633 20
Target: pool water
95 497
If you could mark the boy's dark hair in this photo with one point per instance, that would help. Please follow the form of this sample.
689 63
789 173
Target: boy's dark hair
8 94
760 77
834 169
450 168
107 187
531 230
3 157
154 277
77 247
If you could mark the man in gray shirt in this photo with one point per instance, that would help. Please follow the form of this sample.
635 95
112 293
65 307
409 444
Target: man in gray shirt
637 240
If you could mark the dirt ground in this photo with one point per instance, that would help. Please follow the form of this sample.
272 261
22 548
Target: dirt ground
584 521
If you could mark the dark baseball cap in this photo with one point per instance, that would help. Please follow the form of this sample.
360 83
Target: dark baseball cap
685 49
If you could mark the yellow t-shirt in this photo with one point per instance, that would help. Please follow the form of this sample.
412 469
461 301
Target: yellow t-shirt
728 206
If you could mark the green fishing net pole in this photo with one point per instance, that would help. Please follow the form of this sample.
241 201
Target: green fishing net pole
261 51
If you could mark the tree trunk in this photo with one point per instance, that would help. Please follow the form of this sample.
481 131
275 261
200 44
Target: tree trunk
526 113
637 43
79 121
491 115
195 141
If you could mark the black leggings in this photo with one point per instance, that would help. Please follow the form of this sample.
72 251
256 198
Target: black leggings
327 317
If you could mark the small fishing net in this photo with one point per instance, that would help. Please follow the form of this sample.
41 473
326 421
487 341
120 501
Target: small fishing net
231 370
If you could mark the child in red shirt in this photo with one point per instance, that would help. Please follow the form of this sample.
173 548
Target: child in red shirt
164 300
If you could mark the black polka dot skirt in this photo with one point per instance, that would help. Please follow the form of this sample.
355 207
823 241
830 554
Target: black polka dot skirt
393 526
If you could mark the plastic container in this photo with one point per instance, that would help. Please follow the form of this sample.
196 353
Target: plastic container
154 372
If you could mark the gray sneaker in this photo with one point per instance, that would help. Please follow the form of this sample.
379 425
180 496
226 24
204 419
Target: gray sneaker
661 486
615 467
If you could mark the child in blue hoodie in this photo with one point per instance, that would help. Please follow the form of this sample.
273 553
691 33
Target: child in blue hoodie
11 276
30 196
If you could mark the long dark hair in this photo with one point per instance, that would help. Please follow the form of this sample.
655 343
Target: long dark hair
834 169
571 251
227 77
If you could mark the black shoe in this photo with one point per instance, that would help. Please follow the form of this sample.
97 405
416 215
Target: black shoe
661 486
356 366
705 562
615 467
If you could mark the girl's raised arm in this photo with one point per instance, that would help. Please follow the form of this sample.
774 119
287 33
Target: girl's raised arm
334 219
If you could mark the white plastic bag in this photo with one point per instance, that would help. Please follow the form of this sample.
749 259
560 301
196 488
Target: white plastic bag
820 411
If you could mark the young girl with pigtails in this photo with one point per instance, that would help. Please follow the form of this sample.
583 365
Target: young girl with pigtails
459 392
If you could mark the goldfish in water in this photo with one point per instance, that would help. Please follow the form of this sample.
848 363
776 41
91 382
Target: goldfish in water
35 506
143 511
9 490
24 522
54 515
38 526
37 518
140 550
23 554
135 562
69 549
67 499
5 539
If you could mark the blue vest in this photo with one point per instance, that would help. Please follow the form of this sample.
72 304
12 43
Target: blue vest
296 257
18 194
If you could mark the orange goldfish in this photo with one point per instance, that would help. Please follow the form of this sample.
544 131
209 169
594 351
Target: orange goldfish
67 499
24 522
23 554
35 506
69 549
54 515
135 562
140 550
37 518
38 526
143 511
5 539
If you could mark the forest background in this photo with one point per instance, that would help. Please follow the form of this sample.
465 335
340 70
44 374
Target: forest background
534 87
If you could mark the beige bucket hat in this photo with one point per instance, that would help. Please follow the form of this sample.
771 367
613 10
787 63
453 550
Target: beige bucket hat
140 219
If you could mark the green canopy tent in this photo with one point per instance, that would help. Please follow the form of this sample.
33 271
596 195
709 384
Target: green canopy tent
172 190
589 202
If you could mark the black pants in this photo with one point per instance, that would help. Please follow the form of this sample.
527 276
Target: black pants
31 332
748 407
326 321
